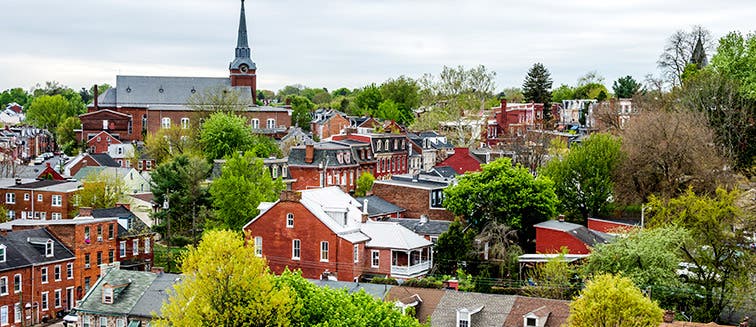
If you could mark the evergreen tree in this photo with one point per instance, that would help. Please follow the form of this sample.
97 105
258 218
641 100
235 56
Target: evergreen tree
625 87
537 87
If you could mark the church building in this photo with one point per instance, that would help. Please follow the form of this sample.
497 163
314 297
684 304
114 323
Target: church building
141 105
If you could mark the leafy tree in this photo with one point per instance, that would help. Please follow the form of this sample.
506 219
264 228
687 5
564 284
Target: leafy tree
67 136
224 134
101 190
736 58
50 111
364 184
17 95
225 284
716 227
87 95
626 87
512 94
368 99
289 90
53 88
453 247
388 110
302 107
613 301
244 183
216 99
563 92
536 87
583 178
591 91
552 279
168 143
404 92
503 250
678 52
181 181
502 193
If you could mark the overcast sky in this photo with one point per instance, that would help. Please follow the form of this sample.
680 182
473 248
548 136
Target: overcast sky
347 43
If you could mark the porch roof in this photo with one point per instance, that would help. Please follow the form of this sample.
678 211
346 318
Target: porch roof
392 236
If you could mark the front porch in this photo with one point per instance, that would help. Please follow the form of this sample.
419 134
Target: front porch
411 263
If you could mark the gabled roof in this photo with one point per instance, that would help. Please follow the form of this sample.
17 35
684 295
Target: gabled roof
27 247
429 227
495 308
153 298
554 311
375 290
103 111
125 301
580 232
461 161
50 174
430 297
104 159
443 171
128 223
378 206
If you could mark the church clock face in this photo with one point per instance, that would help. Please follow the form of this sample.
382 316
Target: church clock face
243 68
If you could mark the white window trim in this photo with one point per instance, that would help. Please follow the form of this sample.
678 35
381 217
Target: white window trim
122 249
7 315
258 246
58 273
43 275
69 270
58 203
7 286
324 244
58 298
294 247
44 301
375 255
289 220
17 283
356 253
135 246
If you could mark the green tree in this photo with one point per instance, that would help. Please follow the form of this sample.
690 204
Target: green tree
503 250
244 183
626 87
66 135
552 279
537 86
736 58
181 181
368 99
583 178
302 108
503 193
289 90
225 284
50 111
101 190
388 110
224 134
216 99
454 246
404 92
364 184
613 301
716 228
563 92
168 143
512 94
17 95
341 92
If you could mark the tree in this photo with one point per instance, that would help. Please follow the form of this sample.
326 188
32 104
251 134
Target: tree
168 143
289 90
736 58
17 95
181 181
591 86
244 183
501 241
453 247
512 94
679 51
67 136
666 152
368 99
552 279
563 92
224 134
225 284
536 87
217 99
364 184
388 110
50 111
626 87
503 193
404 92
718 230
583 178
301 107
53 88
613 301
101 190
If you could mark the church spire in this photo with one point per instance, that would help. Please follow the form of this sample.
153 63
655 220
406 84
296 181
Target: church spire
242 45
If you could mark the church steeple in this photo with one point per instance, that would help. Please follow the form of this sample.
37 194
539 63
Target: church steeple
243 61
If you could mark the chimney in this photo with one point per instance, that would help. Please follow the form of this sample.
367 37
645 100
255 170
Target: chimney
504 104
157 270
423 219
18 181
291 196
85 212
125 205
309 153
287 101
669 316
96 95
364 211
561 218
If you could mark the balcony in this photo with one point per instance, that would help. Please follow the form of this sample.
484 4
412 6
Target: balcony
410 263
410 271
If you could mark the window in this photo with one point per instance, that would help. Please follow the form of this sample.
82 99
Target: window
87 283
17 312
56 216
3 285
531 322
375 258
11 214
85 321
149 164
184 123
103 322
69 270
10 198
290 220
44 275
387 146
39 197
86 234
4 315
86 260
49 250
99 258
44 300
99 233
120 322
437 198
463 323
255 123
16 283
2 252
122 249
57 272
165 122
271 123
139 165
324 251
57 200
111 255
135 246
111 231
295 249
147 245
258 246
356 253
27 196
56 299
378 146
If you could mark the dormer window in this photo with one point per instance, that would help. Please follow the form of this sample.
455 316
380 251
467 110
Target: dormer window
464 316
531 322
111 290
49 252
387 145
2 252
107 295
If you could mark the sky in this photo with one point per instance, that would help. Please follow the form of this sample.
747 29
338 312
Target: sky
346 43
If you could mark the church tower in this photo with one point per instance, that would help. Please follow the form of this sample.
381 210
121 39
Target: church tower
243 69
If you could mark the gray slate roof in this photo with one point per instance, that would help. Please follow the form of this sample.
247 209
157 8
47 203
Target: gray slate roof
324 151
378 206
145 90
21 253
430 227
375 290
580 232
495 310
155 295
444 171
104 159
125 301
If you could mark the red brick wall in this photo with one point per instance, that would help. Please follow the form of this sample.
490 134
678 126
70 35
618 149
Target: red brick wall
45 205
331 127
245 79
23 297
416 201
99 143
309 177
552 241
277 243
51 286
606 226
142 255
155 117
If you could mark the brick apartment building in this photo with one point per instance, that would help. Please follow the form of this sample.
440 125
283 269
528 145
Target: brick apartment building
330 164
324 233
100 142
391 151
510 120
38 199
419 195
36 277
328 122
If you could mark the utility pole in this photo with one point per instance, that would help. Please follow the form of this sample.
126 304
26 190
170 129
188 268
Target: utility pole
166 206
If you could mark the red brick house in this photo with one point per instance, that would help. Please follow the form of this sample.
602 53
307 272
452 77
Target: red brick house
330 164
89 160
135 239
462 161
35 269
38 199
419 195
50 173
139 105
391 152
323 233
553 235
99 143
328 122
512 119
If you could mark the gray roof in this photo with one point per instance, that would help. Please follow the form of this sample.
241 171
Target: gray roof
495 310
104 159
41 185
409 182
27 247
324 152
125 301
430 227
155 295
145 90
444 171
580 232
378 206
135 225
375 290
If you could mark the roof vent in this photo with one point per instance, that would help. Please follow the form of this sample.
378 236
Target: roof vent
128 89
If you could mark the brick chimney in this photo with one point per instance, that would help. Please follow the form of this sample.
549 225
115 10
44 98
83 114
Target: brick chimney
96 95
309 153
669 316
125 205
561 218
85 211
291 196
501 116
